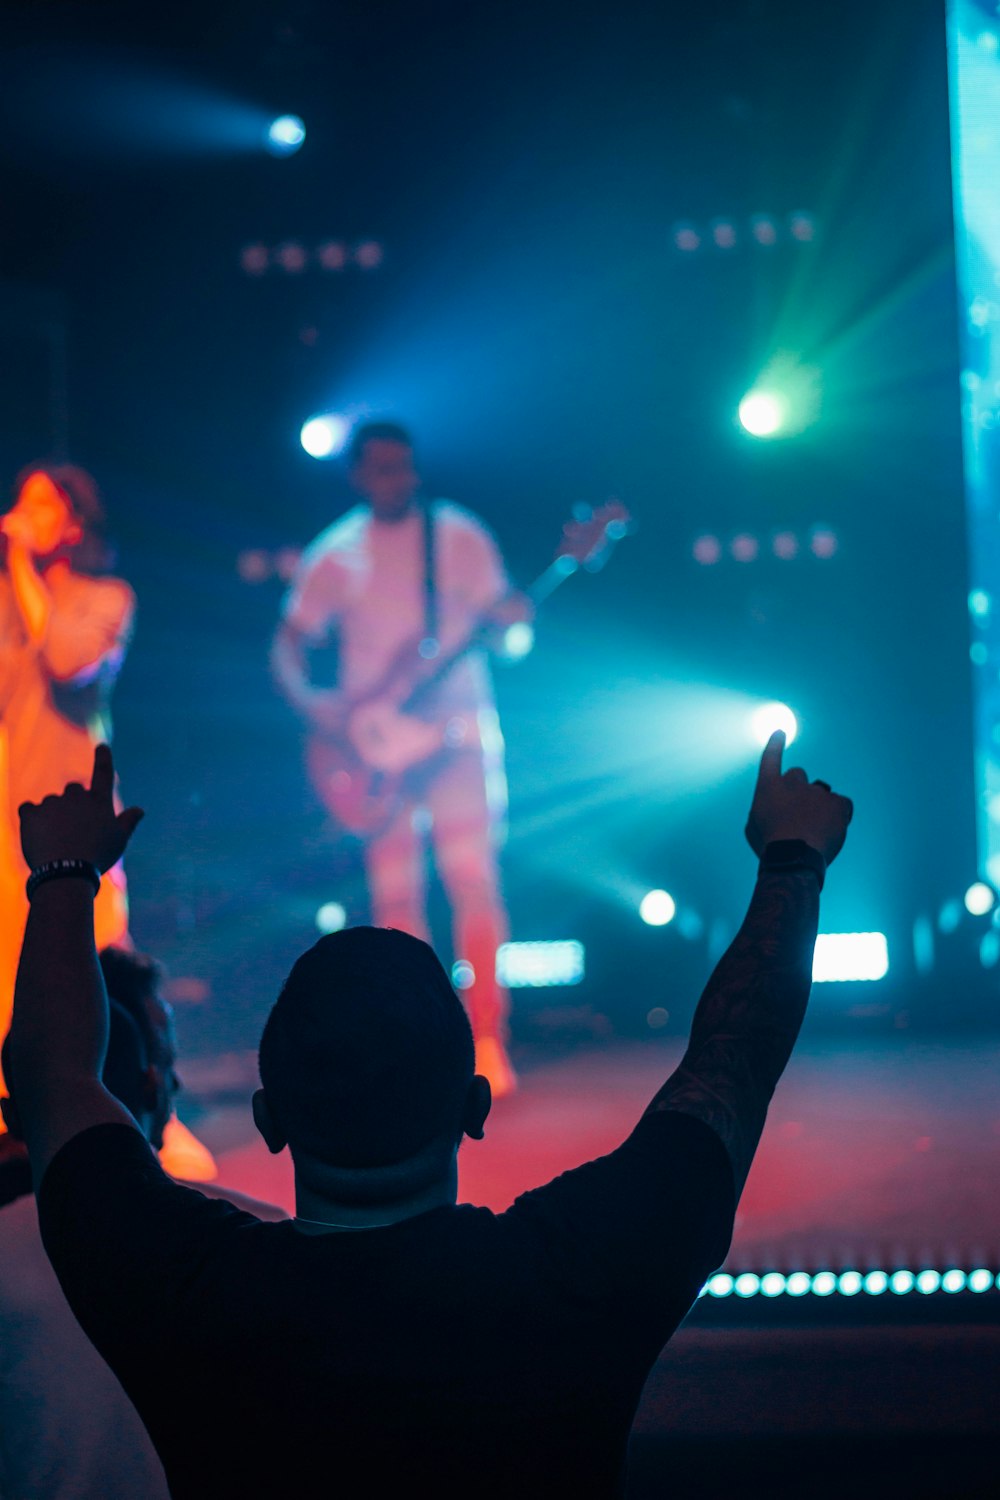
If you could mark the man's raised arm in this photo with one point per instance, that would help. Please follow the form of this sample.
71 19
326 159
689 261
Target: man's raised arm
59 1033
752 1008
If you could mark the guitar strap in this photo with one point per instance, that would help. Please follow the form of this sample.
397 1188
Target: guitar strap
430 583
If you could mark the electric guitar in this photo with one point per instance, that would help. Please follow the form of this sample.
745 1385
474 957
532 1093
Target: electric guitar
364 773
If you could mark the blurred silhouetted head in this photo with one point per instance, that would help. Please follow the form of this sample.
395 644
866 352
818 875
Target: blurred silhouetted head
367 1056
380 467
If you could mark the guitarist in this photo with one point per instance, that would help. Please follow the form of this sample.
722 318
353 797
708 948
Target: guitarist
397 569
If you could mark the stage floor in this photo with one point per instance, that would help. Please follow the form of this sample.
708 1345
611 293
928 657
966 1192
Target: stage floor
881 1153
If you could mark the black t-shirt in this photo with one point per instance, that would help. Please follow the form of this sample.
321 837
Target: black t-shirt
458 1352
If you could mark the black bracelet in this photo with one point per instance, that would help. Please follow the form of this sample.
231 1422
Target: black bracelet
62 869
794 854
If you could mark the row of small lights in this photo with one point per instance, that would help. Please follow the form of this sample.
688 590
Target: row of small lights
762 229
849 1283
293 258
746 548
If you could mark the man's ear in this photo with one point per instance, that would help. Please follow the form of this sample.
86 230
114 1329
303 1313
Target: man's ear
478 1102
274 1137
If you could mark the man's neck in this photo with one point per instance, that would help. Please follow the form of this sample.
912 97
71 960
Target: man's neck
395 518
321 1209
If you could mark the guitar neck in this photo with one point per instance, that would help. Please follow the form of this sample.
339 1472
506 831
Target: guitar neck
435 669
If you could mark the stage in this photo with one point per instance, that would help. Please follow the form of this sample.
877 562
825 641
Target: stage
880 1153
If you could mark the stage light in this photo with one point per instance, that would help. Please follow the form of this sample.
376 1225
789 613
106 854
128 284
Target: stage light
463 975
368 255
763 413
801 226
686 237
657 908
707 550
823 542
785 544
724 234
324 436
770 717
255 259
539 965
332 255
979 899
989 950
518 640
850 956
763 229
849 1283
331 917
657 1018
285 135
744 547
979 603
949 916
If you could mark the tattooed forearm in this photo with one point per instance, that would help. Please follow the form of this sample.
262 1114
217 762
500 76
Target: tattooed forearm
749 1016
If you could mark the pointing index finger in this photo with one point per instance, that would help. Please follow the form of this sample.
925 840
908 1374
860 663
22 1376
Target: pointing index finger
103 780
770 761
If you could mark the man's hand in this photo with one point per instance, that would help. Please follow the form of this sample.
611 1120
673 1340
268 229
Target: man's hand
788 806
514 608
81 823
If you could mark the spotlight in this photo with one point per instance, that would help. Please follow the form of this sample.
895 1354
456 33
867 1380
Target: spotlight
657 908
331 917
518 640
707 550
324 436
744 547
540 964
463 975
979 899
763 229
772 716
798 1284
850 956
763 413
285 135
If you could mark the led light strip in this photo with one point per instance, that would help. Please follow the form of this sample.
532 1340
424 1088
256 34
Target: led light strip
848 1283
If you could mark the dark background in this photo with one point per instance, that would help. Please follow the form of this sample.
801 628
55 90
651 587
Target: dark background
524 168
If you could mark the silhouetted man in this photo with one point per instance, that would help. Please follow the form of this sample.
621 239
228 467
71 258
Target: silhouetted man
388 1340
